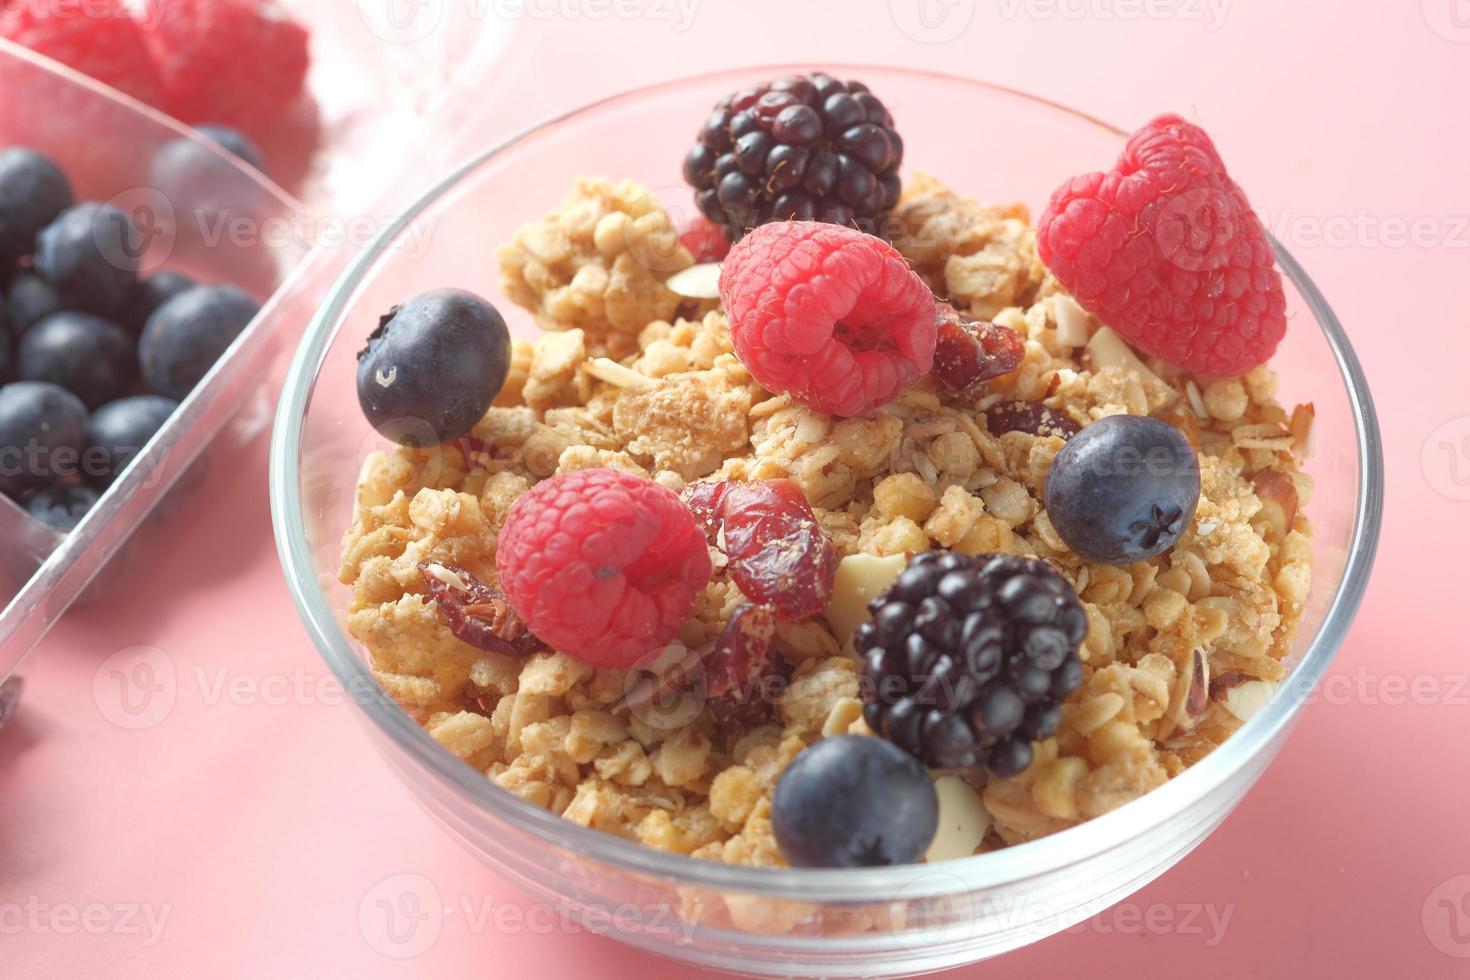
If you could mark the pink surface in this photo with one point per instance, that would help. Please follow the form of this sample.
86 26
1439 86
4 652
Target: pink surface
234 822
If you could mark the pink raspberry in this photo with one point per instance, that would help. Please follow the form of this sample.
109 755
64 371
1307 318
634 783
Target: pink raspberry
100 40
1165 249
236 62
827 314
602 565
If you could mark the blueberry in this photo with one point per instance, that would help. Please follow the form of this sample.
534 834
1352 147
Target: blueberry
851 801
433 366
90 254
197 179
88 356
119 430
234 141
1123 489
42 431
33 191
150 294
187 334
62 507
30 300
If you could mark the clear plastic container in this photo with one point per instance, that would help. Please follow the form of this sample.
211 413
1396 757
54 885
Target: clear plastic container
387 97
984 141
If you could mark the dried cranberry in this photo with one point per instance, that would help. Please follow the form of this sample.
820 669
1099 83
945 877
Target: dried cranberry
741 671
707 501
970 352
778 552
1032 417
477 614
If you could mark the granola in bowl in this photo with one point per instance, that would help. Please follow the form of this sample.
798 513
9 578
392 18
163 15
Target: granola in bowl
649 394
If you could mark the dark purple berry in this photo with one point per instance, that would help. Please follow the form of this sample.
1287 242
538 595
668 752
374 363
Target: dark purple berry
87 355
150 294
119 430
29 300
42 430
832 140
1123 489
433 366
235 141
186 335
33 191
854 801
966 658
62 507
90 255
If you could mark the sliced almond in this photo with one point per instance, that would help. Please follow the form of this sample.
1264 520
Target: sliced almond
1107 349
697 282
609 370
963 820
1245 699
1278 500
859 580
1191 694
1073 322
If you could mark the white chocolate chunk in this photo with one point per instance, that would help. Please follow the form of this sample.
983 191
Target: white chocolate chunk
1244 700
1110 350
697 282
1072 320
860 579
963 820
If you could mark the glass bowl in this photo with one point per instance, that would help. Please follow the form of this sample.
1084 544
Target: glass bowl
987 142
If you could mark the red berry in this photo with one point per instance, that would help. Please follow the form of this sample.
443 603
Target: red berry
971 352
99 39
476 613
236 62
602 565
827 314
779 554
739 672
705 240
707 502
1165 249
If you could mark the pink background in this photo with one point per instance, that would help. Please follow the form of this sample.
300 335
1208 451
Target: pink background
252 813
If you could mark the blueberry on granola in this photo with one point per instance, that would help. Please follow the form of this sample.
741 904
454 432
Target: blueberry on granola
967 658
806 148
853 801
434 363
1123 489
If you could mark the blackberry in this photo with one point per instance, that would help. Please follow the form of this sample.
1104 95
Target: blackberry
807 147
968 658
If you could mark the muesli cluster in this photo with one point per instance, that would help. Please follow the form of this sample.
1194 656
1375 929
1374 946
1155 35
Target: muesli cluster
905 532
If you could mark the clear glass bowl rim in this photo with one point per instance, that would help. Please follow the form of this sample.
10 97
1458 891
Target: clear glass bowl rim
999 868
